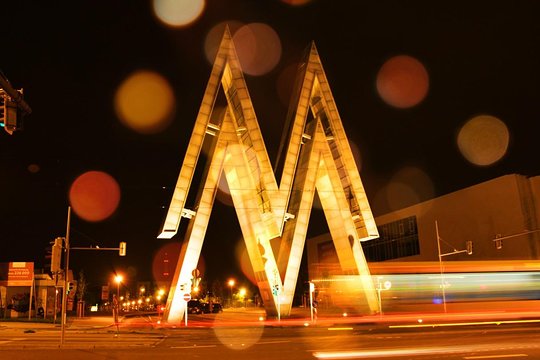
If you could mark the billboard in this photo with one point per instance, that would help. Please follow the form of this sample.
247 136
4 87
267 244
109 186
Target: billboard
16 274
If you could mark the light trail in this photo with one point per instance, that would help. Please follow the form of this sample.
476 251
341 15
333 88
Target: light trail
495 356
497 322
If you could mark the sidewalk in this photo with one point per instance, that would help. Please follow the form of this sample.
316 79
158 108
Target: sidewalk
86 323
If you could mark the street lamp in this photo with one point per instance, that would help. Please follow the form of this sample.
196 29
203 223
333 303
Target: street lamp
242 294
231 284
118 278
468 251
381 287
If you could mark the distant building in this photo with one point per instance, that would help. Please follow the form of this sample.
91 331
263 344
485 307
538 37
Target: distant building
507 207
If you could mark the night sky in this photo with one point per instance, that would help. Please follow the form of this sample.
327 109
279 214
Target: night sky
481 58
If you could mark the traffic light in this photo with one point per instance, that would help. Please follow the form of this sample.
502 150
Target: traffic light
498 241
71 286
122 248
469 247
56 255
10 116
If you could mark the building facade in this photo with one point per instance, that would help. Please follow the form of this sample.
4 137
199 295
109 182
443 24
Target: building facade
505 208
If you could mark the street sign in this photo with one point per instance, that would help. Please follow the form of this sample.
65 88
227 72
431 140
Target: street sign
187 297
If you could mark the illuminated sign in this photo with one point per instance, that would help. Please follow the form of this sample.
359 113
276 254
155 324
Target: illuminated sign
16 273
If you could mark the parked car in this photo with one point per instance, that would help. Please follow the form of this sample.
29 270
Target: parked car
216 308
194 307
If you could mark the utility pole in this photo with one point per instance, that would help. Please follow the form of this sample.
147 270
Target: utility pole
66 272
468 251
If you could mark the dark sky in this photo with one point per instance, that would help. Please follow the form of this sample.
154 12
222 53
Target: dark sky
482 57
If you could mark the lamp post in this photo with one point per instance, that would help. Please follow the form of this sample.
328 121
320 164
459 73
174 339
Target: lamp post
311 291
231 284
441 263
118 278
242 294
382 287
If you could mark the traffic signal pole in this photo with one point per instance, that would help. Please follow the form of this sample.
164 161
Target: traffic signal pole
121 250
65 287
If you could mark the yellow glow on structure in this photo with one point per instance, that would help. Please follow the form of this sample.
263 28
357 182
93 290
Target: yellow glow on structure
145 102
325 164
178 13
483 140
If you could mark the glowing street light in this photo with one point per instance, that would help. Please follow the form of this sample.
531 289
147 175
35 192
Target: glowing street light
242 294
118 278
231 284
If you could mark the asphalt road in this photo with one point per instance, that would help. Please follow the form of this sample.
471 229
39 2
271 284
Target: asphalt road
338 341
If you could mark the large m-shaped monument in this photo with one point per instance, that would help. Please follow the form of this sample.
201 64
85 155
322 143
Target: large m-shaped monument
318 157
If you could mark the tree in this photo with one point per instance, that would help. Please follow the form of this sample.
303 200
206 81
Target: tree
82 286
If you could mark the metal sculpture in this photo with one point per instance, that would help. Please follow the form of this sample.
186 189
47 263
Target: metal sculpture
318 157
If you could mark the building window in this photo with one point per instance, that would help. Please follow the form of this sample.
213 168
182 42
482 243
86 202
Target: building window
397 239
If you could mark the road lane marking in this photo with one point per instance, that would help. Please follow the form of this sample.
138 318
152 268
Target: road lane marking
463 324
273 342
340 328
495 356
193 346
11 340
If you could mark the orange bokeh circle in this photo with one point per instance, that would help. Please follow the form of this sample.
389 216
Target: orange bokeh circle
94 196
402 82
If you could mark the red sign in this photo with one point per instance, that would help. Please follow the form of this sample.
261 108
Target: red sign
105 292
187 297
17 274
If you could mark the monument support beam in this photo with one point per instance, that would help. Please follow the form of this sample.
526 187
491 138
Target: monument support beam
318 158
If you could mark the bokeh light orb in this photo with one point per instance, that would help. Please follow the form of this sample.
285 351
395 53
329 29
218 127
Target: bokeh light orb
296 2
258 48
402 82
285 83
165 260
145 102
356 154
33 168
409 186
242 257
94 196
238 338
213 37
223 194
401 195
178 13
483 140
